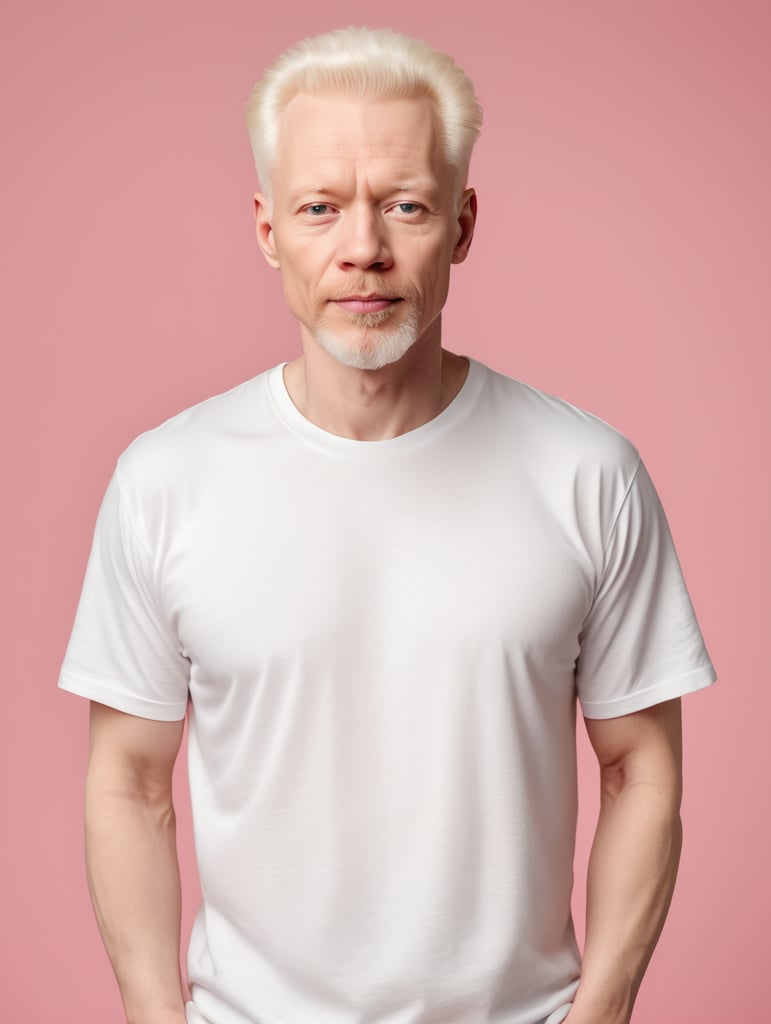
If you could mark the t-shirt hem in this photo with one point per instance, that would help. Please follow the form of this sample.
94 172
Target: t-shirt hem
102 693
680 686
559 1014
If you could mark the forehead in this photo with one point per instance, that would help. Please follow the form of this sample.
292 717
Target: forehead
335 134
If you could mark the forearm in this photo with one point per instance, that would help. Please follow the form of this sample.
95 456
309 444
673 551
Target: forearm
632 871
133 877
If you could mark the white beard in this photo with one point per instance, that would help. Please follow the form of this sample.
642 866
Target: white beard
376 349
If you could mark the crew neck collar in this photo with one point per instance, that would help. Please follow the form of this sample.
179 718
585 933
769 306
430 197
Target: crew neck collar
317 437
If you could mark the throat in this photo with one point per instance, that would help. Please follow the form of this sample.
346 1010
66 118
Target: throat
373 405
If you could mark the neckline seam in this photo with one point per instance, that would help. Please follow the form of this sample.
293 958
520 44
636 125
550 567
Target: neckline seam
315 437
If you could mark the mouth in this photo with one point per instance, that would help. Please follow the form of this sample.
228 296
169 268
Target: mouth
366 303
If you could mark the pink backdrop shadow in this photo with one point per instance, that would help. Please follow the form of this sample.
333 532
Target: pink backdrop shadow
622 260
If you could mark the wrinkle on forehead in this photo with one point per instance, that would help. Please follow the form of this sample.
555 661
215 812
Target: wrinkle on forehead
322 135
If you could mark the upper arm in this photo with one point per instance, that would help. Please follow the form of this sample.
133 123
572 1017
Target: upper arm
642 747
130 755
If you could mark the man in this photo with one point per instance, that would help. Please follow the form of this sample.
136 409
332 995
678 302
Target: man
377 578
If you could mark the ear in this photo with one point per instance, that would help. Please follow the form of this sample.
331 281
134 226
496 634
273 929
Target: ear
467 218
265 240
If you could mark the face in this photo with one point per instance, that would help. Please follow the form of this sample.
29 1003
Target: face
365 223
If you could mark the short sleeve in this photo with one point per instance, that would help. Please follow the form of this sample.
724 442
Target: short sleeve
122 651
641 643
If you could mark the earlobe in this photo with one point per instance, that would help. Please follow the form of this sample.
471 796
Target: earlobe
467 218
263 218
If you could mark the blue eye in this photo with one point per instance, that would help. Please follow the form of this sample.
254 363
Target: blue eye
408 207
318 209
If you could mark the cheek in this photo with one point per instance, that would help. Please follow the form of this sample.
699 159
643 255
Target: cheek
430 262
299 278
437 273
438 253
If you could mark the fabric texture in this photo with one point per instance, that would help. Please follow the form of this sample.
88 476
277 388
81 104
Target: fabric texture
380 645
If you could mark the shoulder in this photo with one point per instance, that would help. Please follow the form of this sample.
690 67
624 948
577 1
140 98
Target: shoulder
551 428
190 439
577 468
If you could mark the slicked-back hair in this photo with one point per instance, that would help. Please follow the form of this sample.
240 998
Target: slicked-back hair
365 63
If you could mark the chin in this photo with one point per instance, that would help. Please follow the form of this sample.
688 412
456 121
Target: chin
377 348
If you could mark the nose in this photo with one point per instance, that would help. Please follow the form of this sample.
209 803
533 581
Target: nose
363 243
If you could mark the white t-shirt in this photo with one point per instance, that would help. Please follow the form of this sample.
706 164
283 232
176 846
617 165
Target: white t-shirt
381 644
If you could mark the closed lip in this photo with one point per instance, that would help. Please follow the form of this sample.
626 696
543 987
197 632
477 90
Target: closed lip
364 304
367 298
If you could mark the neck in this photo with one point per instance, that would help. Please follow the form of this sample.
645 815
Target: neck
374 405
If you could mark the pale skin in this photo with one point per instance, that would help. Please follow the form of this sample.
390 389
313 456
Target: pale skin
131 859
364 222
337 224
634 858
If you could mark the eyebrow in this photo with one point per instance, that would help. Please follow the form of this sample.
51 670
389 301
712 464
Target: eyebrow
417 186
306 192
424 187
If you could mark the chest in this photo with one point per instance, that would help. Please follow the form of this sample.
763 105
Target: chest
334 560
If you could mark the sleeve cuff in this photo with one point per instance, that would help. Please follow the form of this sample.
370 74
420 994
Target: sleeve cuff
698 679
105 692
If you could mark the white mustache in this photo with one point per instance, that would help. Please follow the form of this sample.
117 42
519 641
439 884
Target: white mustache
372 290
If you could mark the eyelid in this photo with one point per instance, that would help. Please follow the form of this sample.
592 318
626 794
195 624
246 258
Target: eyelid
408 202
327 207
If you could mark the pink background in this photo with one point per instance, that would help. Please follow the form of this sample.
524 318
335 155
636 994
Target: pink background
622 260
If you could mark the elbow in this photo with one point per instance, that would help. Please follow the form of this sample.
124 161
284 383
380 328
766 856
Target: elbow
113 790
661 792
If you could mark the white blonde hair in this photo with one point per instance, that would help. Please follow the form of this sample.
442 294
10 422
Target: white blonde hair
367 63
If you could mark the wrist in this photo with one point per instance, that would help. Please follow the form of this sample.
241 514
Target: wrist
587 1015
158 1017
605 1007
